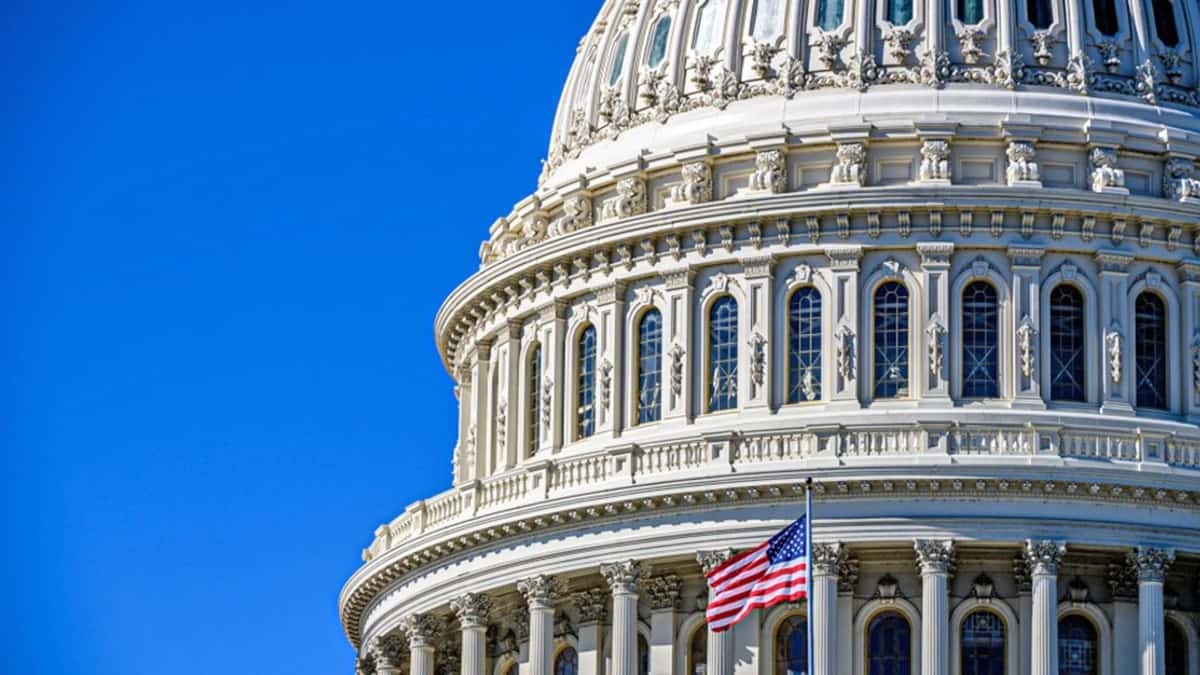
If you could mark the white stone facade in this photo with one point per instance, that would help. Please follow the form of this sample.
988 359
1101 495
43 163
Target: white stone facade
948 270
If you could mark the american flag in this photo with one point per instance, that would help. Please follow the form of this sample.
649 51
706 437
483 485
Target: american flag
775 571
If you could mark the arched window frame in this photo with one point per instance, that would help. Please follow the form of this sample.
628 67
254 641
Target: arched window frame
561 644
683 641
636 361
1151 282
874 608
641 303
720 285
813 20
532 431
1093 22
502 664
1181 26
769 629
983 270
1012 654
693 29
647 49
803 276
985 24
1191 634
1026 24
1070 275
884 23
891 269
1103 630
750 16
575 359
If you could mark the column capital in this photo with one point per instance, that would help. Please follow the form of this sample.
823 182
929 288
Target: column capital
935 254
622 576
1152 563
934 556
663 592
827 559
540 591
421 629
1044 556
1113 262
710 560
591 604
1026 256
388 650
472 609
844 257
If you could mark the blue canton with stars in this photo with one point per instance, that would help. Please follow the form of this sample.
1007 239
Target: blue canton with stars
788 544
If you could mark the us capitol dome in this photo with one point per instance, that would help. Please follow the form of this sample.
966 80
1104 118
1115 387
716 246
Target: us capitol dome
941 256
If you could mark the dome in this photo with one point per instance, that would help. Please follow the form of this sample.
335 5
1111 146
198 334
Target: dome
941 257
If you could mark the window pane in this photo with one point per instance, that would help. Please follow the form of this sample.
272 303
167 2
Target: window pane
829 14
1164 22
709 27
983 644
970 11
1150 317
618 64
586 413
533 407
768 20
567 662
891 340
1066 344
1077 647
723 354
980 341
1106 16
658 43
888 643
791 647
649 399
899 12
1039 13
804 346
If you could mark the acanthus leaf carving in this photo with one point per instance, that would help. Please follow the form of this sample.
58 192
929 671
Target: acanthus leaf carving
758 367
1026 334
1106 177
845 352
696 185
629 201
936 337
935 161
677 353
1021 167
770 172
1113 344
850 168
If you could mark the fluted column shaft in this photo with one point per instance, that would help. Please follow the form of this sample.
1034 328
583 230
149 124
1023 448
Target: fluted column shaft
824 605
934 559
1152 566
1044 558
472 610
540 592
623 577
719 656
421 659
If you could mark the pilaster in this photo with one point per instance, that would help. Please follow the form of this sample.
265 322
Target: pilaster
663 595
591 606
1189 299
678 345
759 367
1027 362
1123 584
473 461
1116 336
610 358
509 409
553 340
935 266
843 349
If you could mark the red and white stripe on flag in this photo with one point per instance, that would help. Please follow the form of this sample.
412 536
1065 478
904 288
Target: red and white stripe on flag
766 575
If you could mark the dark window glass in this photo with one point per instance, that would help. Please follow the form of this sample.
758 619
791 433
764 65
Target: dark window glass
649 396
804 345
1039 13
829 14
888 645
1067 365
567 662
723 354
533 407
1106 16
899 12
658 43
1164 22
1176 648
698 652
791 647
1150 320
980 341
970 11
586 398
643 656
983 644
891 340
1077 648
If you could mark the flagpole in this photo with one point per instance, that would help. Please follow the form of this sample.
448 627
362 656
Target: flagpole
808 568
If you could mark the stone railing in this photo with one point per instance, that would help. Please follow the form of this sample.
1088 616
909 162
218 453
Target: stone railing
715 454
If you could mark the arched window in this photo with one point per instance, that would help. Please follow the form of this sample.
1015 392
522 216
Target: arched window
1039 13
658 42
891 340
710 23
1176 647
1067 366
1106 16
970 11
767 21
791 647
698 652
1164 22
980 341
585 364
649 374
567 662
618 63
723 354
829 14
533 405
889 645
1078 652
1150 328
983 644
804 345
643 655
899 12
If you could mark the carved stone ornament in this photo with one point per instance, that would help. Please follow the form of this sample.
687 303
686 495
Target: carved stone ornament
421 630
970 42
577 215
563 627
983 588
1122 578
770 173
591 605
663 592
388 650
1078 591
1179 180
899 43
935 336
540 591
935 161
1152 563
676 355
622 576
845 352
934 557
606 368
1043 42
1113 343
848 575
547 400
850 168
758 363
827 558
696 186
828 47
710 560
1044 556
1026 334
1106 177
472 609
1020 569
630 199
888 589
1196 364
1021 167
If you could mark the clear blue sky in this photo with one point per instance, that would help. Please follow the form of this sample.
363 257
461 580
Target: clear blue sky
225 228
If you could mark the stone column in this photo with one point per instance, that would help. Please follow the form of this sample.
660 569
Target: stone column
477 446
1043 558
610 359
720 645
591 605
935 559
844 353
826 559
847 584
678 347
1152 564
472 610
663 593
1123 583
933 362
540 593
757 378
1024 611
421 629
1026 363
1116 337
623 578
510 410
1189 275
388 653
